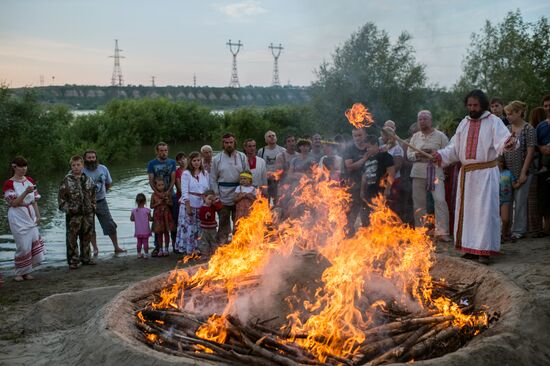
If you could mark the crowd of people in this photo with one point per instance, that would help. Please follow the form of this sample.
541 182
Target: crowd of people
486 184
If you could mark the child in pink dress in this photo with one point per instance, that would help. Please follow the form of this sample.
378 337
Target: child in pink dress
141 216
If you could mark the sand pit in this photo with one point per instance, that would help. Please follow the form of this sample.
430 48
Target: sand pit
97 327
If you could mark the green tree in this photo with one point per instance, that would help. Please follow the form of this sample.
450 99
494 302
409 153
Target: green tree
510 59
370 69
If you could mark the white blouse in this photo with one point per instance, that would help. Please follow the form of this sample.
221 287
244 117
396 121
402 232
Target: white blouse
192 188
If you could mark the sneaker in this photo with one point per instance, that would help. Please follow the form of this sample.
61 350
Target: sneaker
140 255
155 253
161 253
541 171
145 256
516 236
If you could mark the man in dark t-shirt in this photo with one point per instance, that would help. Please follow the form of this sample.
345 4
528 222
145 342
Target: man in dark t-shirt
354 161
377 178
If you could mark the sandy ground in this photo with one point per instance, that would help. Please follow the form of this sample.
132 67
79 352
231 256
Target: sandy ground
526 263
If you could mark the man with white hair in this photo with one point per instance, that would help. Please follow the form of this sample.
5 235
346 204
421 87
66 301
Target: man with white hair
269 154
206 154
427 177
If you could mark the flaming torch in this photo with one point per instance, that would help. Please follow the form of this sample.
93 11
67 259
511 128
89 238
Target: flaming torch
359 116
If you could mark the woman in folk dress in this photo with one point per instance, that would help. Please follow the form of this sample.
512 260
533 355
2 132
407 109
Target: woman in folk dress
194 181
23 217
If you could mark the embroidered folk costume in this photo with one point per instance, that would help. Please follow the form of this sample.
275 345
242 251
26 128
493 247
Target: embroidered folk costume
22 220
476 145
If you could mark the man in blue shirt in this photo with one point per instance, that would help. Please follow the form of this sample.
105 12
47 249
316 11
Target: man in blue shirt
165 168
102 179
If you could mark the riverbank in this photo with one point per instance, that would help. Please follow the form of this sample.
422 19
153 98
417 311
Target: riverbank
526 263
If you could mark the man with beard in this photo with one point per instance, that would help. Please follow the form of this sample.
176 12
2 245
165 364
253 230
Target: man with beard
164 168
224 179
479 139
102 179
257 165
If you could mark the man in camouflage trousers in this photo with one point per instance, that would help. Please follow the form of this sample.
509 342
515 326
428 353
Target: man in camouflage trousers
76 198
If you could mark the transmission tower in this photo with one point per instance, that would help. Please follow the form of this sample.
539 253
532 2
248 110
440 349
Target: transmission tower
116 79
153 81
194 80
234 82
276 52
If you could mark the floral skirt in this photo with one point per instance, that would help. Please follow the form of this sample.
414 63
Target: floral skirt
189 230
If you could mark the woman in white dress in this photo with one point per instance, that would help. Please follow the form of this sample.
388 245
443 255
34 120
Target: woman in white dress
23 216
194 182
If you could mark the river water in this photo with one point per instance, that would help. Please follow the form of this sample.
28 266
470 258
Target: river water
129 179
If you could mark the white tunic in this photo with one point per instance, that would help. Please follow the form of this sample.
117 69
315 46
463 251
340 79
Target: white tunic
478 141
193 187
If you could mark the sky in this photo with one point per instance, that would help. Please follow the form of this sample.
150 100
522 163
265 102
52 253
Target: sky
70 41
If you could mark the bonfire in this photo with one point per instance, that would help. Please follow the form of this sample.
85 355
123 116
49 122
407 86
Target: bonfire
300 290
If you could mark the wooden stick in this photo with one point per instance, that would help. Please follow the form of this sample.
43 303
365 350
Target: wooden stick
398 351
407 323
392 133
268 354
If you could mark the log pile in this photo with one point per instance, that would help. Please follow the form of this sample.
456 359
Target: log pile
401 337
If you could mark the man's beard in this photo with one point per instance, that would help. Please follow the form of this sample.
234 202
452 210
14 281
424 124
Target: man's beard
229 149
92 165
475 115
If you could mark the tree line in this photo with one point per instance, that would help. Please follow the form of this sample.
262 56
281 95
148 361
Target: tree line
510 59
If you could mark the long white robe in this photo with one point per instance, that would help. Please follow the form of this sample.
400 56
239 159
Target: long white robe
481 219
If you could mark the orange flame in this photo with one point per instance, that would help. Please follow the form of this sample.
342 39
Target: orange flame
152 337
386 261
359 116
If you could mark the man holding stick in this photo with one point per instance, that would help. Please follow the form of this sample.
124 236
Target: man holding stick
426 177
479 139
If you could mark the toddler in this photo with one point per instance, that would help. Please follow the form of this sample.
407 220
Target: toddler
507 182
245 195
163 223
142 231
207 217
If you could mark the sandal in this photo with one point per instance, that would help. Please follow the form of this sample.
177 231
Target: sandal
18 278
28 277
73 266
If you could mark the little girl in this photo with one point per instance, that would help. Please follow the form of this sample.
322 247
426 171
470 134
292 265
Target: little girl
163 223
142 231
245 194
507 182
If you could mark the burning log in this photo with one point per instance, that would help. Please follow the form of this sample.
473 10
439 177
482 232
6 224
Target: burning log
406 324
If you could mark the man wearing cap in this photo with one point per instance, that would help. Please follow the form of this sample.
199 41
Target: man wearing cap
224 179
